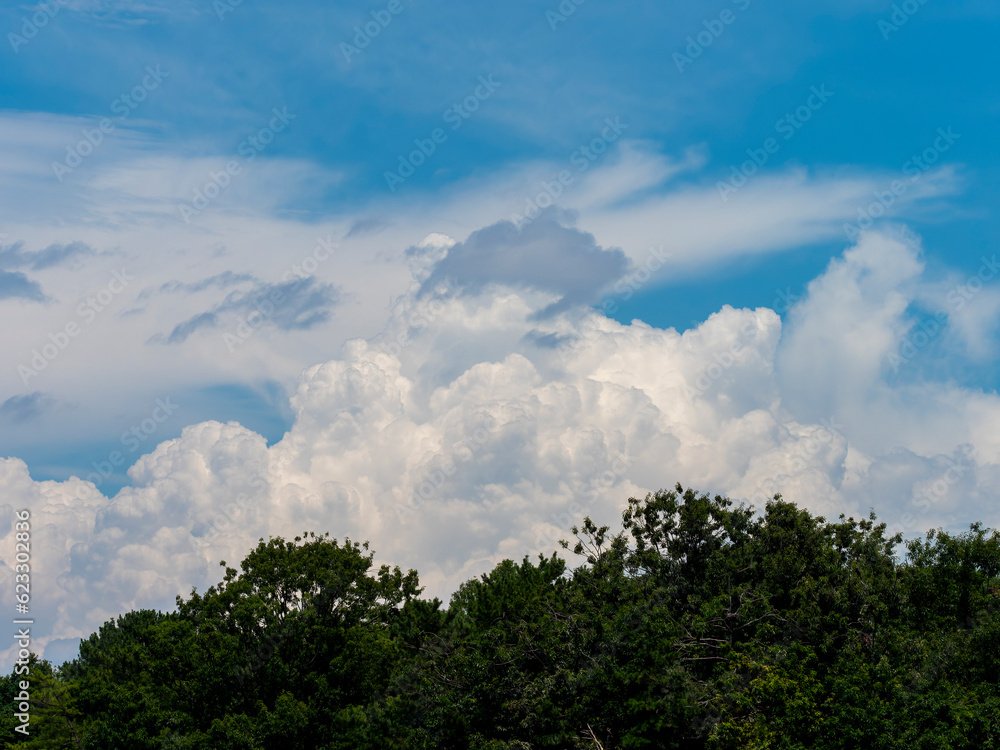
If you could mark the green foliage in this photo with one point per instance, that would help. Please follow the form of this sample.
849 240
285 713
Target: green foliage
55 720
699 624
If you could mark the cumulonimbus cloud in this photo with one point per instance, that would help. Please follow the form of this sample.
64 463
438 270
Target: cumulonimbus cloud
471 429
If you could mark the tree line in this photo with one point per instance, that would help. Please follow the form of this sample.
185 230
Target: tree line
698 624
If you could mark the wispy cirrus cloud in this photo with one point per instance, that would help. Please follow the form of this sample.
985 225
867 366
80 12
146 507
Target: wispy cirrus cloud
299 304
219 281
15 256
20 409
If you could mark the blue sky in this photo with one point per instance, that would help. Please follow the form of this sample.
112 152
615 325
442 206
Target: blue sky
355 118
557 85
708 164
